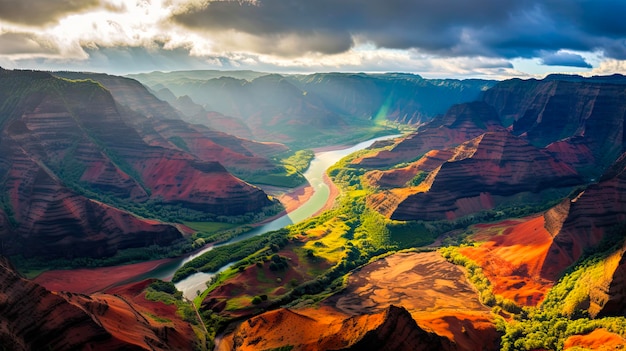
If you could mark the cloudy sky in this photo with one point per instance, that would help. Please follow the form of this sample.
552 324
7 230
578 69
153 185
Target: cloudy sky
435 38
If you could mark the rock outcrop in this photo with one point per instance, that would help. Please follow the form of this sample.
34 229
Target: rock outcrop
481 174
391 329
566 108
594 216
33 318
460 124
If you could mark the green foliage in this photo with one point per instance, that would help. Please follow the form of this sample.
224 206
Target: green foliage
300 160
560 314
212 260
410 233
179 142
167 293
256 300
418 179
166 287
281 175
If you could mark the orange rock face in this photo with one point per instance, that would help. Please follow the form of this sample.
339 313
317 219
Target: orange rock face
512 255
599 339
590 216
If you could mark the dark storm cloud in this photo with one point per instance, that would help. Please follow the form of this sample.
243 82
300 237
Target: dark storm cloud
495 28
564 59
41 12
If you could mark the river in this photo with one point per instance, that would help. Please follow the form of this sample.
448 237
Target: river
314 175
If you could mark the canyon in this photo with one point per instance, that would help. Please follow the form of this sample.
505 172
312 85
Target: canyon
493 224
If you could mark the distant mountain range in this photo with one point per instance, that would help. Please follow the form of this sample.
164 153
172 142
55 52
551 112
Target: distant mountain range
308 110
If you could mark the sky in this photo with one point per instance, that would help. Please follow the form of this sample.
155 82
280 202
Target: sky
493 39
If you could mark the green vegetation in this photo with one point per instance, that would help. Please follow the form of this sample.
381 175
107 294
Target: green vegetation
418 179
300 160
475 275
287 173
166 292
33 266
212 260
179 142
564 311
561 314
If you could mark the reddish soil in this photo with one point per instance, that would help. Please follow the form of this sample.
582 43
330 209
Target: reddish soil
88 281
169 319
434 291
599 339
512 255
334 192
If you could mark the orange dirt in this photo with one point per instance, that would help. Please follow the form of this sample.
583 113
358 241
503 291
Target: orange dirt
512 255
334 192
434 291
88 281
436 294
599 339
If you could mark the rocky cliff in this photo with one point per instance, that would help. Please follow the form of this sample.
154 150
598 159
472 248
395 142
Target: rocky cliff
566 108
460 124
71 154
33 318
392 329
593 217
481 174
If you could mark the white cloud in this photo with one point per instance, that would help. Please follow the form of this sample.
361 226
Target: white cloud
105 35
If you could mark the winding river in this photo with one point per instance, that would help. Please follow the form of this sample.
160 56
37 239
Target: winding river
314 175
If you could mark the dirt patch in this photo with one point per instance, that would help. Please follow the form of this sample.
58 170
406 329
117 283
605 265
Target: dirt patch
295 198
88 281
420 282
434 291
599 339
512 256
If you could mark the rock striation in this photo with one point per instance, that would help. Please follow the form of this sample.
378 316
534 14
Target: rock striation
591 218
71 156
574 110
33 318
481 174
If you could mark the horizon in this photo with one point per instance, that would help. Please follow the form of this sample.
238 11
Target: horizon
484 39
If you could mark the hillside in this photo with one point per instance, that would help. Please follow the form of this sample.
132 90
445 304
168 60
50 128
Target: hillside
33 318
484 229
74 169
